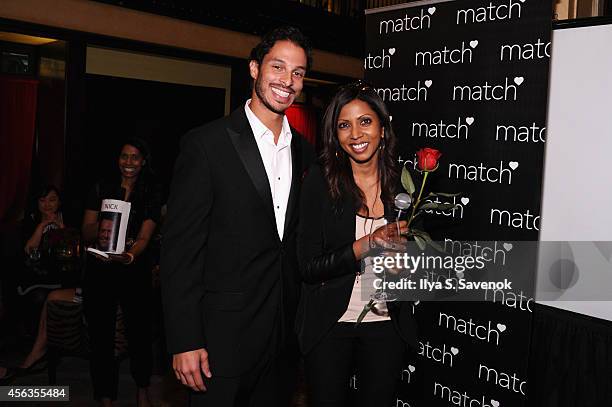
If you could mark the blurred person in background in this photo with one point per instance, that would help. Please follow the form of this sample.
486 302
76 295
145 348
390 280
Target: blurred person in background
123 278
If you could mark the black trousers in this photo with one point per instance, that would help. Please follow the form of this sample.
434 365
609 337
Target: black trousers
106 286
373 350
270 383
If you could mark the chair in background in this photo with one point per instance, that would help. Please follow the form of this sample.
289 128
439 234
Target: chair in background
67 334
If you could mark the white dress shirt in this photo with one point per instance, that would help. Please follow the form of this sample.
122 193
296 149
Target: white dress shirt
277 162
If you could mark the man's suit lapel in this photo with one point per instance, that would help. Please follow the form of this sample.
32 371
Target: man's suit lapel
296 175
243 139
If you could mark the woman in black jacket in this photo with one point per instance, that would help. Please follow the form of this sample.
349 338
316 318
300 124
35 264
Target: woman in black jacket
344 203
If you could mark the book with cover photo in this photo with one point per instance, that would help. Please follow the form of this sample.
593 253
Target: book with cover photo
112 228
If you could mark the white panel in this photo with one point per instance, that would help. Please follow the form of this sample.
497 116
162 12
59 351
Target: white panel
577 193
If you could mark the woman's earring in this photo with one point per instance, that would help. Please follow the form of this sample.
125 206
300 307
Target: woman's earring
336 153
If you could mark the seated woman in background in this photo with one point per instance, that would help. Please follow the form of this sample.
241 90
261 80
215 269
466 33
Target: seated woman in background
45 218
123 278
48 216
343 207
38 280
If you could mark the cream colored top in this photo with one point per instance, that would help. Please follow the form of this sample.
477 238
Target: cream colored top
364 283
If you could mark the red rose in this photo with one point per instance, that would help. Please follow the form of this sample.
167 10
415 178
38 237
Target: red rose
428 159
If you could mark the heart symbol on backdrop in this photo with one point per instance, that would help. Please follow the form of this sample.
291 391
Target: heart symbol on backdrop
465 200
411 368
432 10
454 351
513 165
518 80
428 83
474 43
495 403
501 327
469 120
391 51
508 246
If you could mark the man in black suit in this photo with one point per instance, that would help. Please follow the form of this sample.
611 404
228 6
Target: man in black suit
230 280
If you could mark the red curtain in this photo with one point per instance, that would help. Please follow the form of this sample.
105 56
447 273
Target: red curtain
17 123
304 120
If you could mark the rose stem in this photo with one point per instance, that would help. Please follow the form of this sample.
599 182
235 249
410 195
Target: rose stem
418 198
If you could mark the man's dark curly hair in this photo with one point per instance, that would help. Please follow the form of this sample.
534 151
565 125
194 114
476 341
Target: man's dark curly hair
287 33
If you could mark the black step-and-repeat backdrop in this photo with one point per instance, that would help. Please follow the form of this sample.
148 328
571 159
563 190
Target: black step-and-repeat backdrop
470 78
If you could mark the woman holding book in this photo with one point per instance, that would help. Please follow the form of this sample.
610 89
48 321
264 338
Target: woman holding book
123 278
344 203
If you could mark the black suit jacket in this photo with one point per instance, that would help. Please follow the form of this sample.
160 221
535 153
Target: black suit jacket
328 265
229 284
